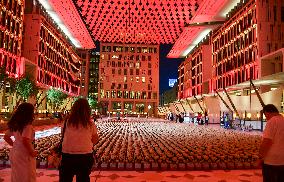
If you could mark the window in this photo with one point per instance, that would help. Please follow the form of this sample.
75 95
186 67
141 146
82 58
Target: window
131 96
125 94
143 79
137 65
113 94
119 94
137 79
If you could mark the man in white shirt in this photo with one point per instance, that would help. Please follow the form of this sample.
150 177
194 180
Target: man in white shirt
272 147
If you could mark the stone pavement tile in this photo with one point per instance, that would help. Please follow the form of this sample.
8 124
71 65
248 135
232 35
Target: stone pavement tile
44 175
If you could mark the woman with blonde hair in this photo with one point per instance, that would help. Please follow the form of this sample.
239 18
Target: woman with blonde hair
22 154
77 147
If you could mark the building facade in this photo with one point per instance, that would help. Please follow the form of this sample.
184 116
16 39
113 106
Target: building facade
129 78
11 32
11 37
54 59
49 57
233 58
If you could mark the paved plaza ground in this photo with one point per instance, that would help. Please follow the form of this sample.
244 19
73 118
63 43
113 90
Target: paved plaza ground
44 175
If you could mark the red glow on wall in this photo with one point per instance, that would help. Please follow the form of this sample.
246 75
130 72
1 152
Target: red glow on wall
12 63
71 18
133 21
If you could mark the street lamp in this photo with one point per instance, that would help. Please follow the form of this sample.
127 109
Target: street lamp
149 107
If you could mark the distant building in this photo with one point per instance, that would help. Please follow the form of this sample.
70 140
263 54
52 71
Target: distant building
129 79
84 55
94 74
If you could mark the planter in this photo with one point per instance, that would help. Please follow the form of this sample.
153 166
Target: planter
2 163
43 164
164 166
205 166
138 166
120 166
146 166
190 166
181 166
213 166
231 165
222 165
155 166
197 166
113 165
239 165
8 163
104 166
129 166
254 165
173 166
96 165
247 165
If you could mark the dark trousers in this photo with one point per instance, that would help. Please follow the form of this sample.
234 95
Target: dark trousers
273 173
76 164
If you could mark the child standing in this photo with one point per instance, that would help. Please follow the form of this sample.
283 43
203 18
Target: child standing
22 155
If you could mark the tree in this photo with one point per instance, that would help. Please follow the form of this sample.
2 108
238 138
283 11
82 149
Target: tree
26 87
56 97
93 103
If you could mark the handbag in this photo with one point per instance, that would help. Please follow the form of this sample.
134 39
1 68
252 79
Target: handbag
54 160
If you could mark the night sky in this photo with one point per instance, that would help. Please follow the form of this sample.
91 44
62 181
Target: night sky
168 67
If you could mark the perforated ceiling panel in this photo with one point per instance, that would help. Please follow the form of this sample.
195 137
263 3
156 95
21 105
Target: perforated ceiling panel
66 10
136 21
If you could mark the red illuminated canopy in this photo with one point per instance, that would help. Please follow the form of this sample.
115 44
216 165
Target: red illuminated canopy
209 11
137 21
67 12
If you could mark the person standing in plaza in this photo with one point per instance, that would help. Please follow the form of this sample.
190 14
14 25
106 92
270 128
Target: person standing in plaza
22 155
272 149
77 147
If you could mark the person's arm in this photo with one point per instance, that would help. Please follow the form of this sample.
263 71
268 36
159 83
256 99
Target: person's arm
28 144
8 139
264 147
95 136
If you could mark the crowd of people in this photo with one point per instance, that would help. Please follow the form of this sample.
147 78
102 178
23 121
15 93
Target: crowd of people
198 119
